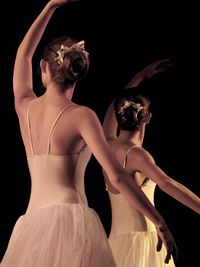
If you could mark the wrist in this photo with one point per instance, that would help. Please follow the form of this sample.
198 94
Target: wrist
51 5
162 227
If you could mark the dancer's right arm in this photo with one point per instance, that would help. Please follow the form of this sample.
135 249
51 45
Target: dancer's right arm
22 79
92 132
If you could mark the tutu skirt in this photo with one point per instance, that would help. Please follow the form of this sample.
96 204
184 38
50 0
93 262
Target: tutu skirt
138 249
60 235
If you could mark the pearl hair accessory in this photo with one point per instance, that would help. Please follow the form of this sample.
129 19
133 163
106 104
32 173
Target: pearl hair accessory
79 47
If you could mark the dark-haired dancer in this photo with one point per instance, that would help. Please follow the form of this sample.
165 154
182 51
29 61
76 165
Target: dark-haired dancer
133 237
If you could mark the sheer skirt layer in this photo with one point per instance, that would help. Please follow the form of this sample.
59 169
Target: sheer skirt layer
138 249
59 236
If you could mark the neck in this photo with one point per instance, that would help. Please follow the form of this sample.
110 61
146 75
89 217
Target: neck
57 92
135 138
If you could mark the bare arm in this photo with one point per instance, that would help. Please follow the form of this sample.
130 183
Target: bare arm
110 123
144 162
22 79
92 132
149 71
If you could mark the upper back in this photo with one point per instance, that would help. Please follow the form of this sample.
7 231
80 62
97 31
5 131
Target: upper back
49 128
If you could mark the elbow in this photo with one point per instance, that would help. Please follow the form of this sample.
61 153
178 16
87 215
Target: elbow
165 183
118 179
24 54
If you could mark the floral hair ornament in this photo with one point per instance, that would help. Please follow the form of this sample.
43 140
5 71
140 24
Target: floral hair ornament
136 106
78 47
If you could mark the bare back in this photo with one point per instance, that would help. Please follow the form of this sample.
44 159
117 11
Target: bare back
56 153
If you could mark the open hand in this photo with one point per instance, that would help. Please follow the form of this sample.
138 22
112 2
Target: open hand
165 237
155 67
62 2
148 72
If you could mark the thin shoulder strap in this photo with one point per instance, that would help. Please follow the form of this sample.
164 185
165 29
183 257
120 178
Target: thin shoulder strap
126 156
29 130
53 125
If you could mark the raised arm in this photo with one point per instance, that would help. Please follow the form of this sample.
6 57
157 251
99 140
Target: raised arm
92 132
110 123
148 72
22 79
144 163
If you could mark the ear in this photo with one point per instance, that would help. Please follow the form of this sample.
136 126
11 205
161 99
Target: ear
149 117
43 64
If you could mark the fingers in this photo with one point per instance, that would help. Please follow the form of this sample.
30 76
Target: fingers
165 237
159 244
171 250
167 258
163 63
159 69
75 0
175 253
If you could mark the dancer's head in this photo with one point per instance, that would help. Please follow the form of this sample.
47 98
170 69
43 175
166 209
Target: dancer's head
67 59
131 109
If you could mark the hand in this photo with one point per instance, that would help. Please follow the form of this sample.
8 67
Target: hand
155 67
148 72
58 3
165 237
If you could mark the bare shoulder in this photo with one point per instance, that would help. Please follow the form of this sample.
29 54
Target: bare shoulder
21 107
140 154
84 112
84 119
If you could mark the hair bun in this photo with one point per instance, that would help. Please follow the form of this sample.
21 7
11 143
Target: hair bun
68 60
75 66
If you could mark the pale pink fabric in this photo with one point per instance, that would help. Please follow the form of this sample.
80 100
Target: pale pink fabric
60 235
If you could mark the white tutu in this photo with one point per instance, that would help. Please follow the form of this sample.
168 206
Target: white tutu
62 235
138 249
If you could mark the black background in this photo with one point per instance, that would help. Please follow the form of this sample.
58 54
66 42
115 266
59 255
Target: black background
122 38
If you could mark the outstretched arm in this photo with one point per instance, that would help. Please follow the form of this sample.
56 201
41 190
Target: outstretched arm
92 132
110 123
22 79
144 163
149 71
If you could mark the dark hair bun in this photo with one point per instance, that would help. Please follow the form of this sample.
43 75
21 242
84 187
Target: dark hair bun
75 65
131 109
